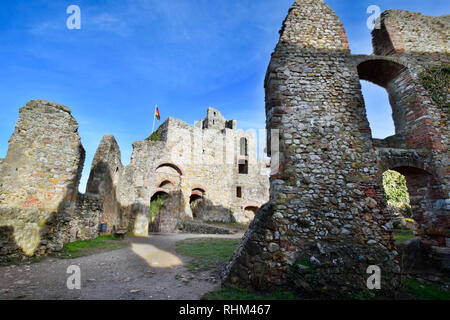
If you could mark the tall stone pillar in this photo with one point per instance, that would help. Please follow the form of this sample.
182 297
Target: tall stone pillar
326 221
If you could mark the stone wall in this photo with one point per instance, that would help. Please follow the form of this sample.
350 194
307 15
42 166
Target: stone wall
326 222
9 251
103 181
405 31
40 175
40 207
420 148
85 223
194 161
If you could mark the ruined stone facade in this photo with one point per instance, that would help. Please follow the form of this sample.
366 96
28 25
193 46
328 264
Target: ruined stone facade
326 221
200 167
103 179
40 208
210 167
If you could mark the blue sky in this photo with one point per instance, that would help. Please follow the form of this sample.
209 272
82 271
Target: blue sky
184 55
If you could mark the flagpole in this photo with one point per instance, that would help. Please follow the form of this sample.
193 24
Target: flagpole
154 118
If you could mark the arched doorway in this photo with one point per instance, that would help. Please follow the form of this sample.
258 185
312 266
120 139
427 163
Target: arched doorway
156 203
250 212
196 201
420 188
399 205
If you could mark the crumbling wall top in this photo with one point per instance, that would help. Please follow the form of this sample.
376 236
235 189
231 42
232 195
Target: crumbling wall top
313 24
406 31
41 103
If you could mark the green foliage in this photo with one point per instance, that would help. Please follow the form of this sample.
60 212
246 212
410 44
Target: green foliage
207 253
403 235
241 294
156 205
156 136
426 291
86 247
396 190
437 81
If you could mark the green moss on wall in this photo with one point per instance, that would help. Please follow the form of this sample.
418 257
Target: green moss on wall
156 136
437 81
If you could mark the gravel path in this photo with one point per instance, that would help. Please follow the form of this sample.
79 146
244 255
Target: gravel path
145 270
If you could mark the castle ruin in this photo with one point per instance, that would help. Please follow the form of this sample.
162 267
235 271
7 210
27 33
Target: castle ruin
209 172
326 221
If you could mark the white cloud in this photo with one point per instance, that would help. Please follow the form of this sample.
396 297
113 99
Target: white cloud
107 22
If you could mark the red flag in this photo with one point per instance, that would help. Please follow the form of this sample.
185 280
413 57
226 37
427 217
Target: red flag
158 116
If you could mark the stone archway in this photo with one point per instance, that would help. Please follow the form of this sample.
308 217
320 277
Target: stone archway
173 166
197 202
156 203
408 99
250 212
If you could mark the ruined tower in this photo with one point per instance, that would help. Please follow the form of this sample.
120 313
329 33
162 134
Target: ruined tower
326 221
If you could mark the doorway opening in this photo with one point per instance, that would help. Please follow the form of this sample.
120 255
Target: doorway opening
156 203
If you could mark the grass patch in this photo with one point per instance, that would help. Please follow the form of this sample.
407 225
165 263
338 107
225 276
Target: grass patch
207 254
87 247
403 235
425 291
241 294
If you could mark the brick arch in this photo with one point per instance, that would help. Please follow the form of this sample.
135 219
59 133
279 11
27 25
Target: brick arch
411 110
158 191
247 204
199 187
171 181
392 158
425 191
172 165
251 208
380 70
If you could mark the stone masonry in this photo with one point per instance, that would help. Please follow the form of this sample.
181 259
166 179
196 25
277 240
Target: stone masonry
39 202
408 44
210 166
103 180
326 221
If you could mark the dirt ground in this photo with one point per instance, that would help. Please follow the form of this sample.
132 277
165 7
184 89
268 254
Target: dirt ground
148 269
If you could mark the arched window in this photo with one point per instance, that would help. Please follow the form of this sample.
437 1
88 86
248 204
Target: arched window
383 96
